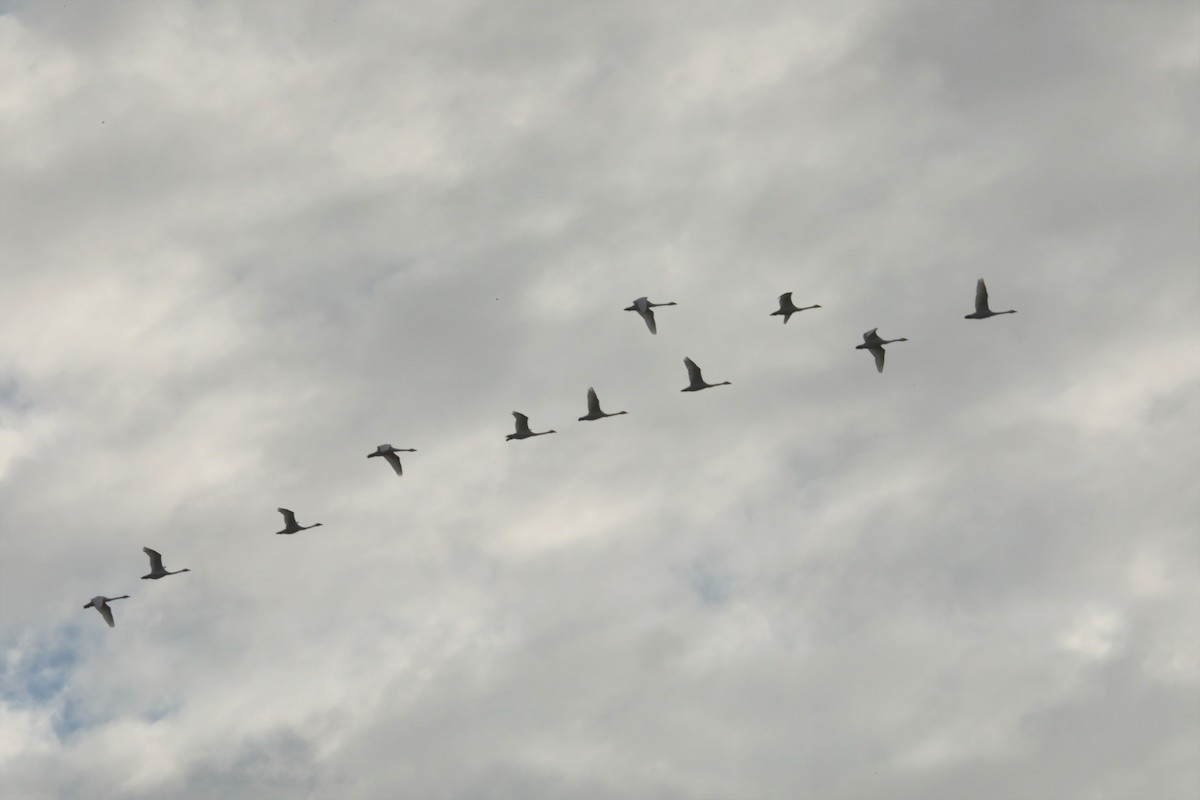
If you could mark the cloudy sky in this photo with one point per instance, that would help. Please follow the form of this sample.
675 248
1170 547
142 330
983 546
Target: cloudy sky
242 244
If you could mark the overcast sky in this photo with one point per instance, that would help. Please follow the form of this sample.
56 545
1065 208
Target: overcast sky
242 244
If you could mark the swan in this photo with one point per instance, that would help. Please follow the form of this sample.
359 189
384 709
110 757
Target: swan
389 455
874 345
101 604
787 307
523 431
981 304
697 382
594 411
156 566
289 520
642 306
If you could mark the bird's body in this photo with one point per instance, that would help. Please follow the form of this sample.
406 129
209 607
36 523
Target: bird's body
696 380
787 307
981 304
874 345
156 566
523 431
594 411
291 526
643 307
389 455
100 603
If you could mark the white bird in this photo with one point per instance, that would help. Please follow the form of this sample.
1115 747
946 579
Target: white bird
787 307
101 604
697 381
874 345
594 411
523 431
289 520
981 304
389 455
642 306
156 566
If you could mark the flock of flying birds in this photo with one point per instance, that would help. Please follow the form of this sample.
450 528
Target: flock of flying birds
872 343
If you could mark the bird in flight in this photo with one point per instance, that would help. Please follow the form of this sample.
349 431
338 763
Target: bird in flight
981 304
787 307
642 306
291 526
697 381
523 431
101 604
594 411
156 566
874 345
389 455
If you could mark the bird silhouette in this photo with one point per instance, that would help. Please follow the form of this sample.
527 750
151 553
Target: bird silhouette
787 307
642 306
290 524
156 566
696 380
389 455
874 345
981 304
523 431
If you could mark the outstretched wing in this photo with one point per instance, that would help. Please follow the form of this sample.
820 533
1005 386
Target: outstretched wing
105 612
593 403
289 518
878 353
394 460
981 298
648 315
522 422
156 564
870 336
693 371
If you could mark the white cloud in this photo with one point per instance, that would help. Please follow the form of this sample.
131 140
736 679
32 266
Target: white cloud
244 244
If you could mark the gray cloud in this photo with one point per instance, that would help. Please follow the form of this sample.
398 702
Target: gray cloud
243 245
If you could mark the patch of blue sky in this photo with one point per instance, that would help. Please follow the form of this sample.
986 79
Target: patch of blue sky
710 583
40 673
9 7
10 395
69 717
160 711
